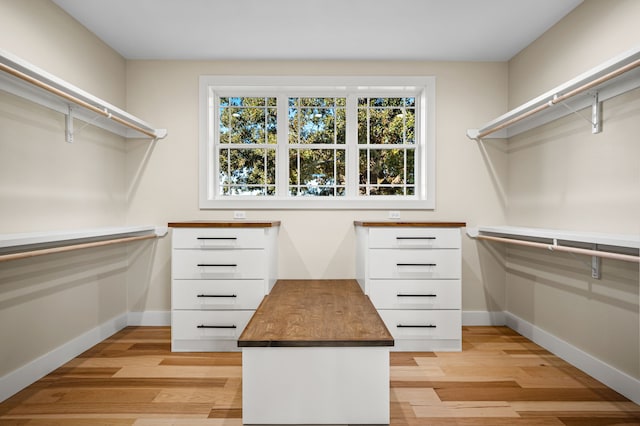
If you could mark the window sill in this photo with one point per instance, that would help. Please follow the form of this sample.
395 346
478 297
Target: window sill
316 204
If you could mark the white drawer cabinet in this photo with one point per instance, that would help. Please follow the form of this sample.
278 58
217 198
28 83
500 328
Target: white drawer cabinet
220 272
415 294
207 326
423 324
196 264
414 263
411 271
216 294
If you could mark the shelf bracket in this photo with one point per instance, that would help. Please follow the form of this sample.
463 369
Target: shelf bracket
68 123
596 115
596 262
596 112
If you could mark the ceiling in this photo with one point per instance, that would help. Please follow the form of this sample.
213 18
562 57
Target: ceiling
439 30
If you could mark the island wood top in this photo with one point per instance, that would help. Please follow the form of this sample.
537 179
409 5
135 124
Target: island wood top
313 313
225 224
409 224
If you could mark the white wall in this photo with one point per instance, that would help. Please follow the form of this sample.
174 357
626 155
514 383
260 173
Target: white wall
316 244
47 184
562 176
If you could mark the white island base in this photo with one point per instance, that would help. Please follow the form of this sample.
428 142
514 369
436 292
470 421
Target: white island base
315 385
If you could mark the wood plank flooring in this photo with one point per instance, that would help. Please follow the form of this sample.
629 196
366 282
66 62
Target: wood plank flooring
500 378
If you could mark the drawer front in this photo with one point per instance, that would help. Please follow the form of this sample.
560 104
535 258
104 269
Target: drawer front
414 238
218 238
218 264
216 294
414 263
415 294
208 325
412 324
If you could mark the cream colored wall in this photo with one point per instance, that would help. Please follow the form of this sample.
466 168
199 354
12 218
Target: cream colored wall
591 34
163 183
562 176
48 184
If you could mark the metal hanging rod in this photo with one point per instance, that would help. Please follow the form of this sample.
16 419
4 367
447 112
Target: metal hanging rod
63 249
593 80
30 74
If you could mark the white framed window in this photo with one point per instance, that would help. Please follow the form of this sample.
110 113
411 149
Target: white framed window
317 142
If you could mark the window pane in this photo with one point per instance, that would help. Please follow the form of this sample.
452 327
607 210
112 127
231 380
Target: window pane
386 102
363 124
386 171
317 121
410 125
386 121
386 126
317 172
411 166
247 171
245 120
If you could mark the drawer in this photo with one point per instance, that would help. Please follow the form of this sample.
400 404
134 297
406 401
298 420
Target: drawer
218 238
414 238
207 325
414 263
212 264
415 294
217 294
423 324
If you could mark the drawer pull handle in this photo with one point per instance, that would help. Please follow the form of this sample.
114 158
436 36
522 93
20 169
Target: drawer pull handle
216 295
217 238
415 326
216 326
415 238
218 264
416 295
415 264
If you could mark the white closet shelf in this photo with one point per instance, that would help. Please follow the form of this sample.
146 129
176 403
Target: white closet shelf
21 245
613 240
27 81
625 247
612 78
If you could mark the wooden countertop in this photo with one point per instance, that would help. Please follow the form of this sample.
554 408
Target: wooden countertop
409 224
312 313
225 224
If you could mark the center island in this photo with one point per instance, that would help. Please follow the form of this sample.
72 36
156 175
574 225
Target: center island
315 352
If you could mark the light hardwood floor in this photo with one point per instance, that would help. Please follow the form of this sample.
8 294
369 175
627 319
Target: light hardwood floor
500 378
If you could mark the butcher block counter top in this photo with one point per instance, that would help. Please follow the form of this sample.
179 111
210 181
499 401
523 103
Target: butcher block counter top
225 224
408 224
316 313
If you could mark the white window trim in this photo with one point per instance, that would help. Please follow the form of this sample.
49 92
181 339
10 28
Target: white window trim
321 86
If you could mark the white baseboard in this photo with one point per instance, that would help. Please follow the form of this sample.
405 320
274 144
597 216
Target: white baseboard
22 377
483 318
149 318
610 376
